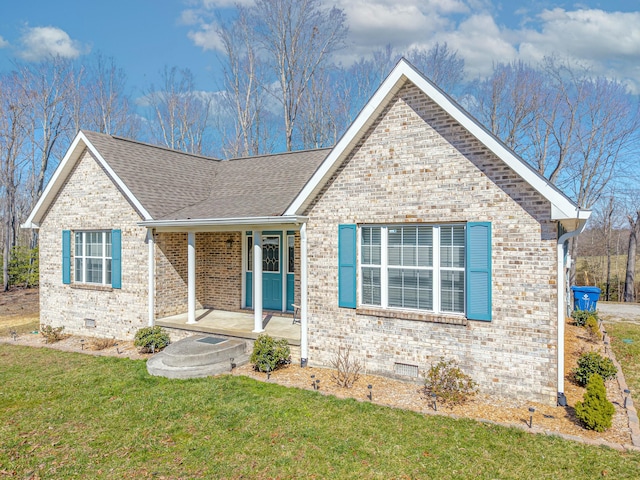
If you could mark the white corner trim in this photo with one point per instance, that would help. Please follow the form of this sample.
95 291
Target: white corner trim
60 175
562 206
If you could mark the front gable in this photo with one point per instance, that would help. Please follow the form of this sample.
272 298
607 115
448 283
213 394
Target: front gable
456 118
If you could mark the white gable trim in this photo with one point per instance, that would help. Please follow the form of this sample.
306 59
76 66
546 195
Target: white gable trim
561 206
80 142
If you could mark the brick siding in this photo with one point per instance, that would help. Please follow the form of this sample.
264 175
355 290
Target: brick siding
90 201
417 165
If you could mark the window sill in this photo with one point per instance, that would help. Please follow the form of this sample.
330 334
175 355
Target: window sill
429 317
95 288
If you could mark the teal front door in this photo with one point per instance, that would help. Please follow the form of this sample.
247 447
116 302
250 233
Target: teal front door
271 271
273 265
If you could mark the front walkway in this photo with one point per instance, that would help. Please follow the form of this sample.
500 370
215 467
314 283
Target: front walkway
235 324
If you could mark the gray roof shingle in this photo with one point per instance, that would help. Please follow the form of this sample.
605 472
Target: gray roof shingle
173 185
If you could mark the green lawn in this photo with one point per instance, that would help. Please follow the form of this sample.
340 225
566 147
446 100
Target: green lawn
65 415
627 353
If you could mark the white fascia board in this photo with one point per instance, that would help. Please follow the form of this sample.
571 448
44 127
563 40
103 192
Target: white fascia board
80 142
225 224
562 206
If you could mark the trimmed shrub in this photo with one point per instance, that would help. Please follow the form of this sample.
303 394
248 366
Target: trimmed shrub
593 362
449 383
151 339
595 411
580 317
269 354
592 327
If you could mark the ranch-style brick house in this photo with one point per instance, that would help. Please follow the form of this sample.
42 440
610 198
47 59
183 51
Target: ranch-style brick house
418 236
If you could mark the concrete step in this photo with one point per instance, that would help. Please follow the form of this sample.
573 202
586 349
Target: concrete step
157 367
198 356
195 351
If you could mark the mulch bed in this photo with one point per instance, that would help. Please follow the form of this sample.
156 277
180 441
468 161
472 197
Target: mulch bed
404 395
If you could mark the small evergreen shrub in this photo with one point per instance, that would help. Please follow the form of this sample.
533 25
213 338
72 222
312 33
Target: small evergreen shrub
347 368
595 411
151 339
590 363
580 316
268 353
23 266
592 327
51 334
449 383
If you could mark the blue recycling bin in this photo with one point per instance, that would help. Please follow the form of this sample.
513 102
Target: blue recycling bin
585 298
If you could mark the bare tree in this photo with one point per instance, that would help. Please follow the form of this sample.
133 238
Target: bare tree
180 114
298 36
13 161
103 105
243 95
48 88
322 117
440 64
634 234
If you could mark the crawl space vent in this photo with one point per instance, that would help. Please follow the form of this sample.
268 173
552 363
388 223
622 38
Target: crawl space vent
405 370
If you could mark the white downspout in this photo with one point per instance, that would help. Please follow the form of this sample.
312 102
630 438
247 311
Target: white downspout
304 328
561 301
152 277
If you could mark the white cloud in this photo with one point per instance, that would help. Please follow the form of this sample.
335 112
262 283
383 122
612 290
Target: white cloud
592 34
206 37
481 43
3 42
37 43
607 41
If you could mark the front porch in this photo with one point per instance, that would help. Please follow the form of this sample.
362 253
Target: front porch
236 324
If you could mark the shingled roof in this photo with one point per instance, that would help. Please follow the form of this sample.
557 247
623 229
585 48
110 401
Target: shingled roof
173 185
164 184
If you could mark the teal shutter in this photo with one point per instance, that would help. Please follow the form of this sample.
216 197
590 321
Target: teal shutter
347 266
66 257
478 289
116 258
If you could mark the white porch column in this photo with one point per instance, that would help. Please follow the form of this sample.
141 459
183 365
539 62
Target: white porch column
304 344
152 278
191 277
257 282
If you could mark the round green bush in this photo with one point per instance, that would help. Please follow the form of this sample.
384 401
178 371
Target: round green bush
595 411
269 353
151 339
593 362
580 316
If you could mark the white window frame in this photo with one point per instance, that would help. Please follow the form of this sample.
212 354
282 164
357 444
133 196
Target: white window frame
436 268
83 257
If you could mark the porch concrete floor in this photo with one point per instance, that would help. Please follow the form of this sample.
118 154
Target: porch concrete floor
235 324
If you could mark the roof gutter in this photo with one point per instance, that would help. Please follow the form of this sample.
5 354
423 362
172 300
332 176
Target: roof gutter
581 223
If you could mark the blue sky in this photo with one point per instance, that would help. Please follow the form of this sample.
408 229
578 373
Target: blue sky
145 35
